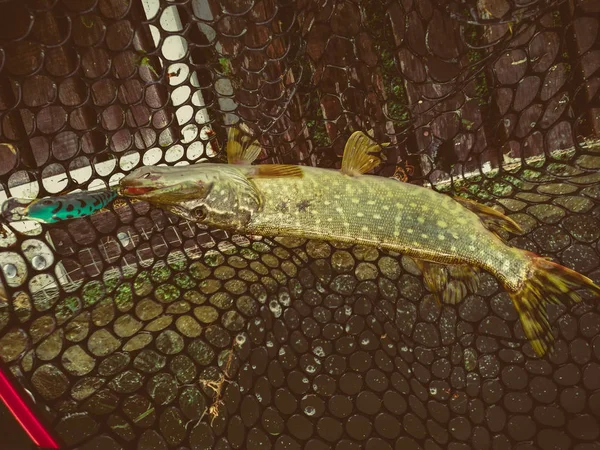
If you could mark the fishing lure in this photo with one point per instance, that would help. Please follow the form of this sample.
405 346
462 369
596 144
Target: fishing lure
450 238
57 209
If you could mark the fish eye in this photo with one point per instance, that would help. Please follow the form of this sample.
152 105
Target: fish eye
200 212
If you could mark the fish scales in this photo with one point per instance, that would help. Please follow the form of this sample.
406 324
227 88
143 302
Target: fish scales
326 204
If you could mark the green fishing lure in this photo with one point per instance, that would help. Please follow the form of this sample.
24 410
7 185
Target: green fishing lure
65 207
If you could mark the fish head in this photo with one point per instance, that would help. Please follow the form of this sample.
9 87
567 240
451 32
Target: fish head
218 195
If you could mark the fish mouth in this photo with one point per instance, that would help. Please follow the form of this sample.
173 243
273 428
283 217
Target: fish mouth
136 190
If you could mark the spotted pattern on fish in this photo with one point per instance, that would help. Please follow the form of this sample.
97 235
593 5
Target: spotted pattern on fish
69 206
377 211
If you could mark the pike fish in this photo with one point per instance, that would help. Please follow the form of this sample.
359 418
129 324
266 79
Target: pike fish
57 209
450 238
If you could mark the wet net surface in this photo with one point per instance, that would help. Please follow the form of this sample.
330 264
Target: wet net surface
139 330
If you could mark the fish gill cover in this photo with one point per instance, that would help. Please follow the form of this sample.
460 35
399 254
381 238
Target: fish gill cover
137 329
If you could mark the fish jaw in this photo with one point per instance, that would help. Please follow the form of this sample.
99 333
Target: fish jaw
145 191
135 187
160 186
134 191
142 182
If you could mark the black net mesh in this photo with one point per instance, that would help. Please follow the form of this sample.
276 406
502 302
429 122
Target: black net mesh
140 330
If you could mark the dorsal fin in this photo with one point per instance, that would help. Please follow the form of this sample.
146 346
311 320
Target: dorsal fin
241 147
361 154
276 171
490 217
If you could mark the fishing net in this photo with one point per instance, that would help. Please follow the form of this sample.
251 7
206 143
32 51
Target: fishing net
137 329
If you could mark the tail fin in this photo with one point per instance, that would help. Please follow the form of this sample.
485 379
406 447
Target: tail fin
547 282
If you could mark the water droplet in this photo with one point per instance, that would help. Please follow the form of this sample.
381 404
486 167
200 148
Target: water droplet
310 410
433 391
10 270
470 359
38 262
124 238
275 308
240 339
305 380
319 351
284 299
311 369
365 341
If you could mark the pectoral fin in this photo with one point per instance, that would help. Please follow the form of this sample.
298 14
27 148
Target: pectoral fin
361 154
242 148
276 171
490 217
